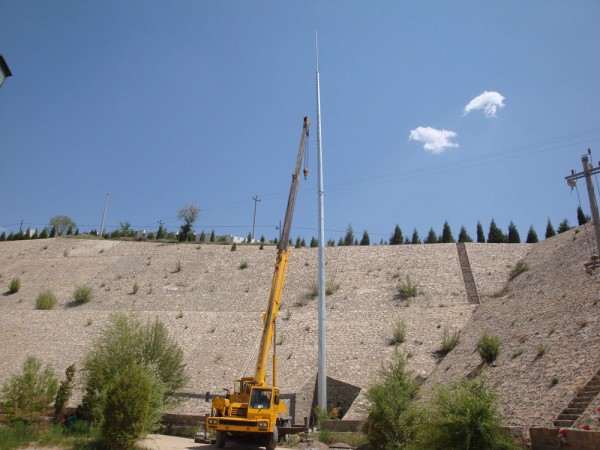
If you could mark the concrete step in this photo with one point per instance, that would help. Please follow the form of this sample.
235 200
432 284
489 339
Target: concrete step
563 423
576 411
571 417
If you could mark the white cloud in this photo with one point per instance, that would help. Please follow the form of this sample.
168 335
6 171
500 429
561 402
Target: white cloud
436 141
489 101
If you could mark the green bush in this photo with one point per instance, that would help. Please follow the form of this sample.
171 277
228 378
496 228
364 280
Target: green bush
449 341
64 391
82 294
407 289
45 300
520 267
127 408
462 416
30 394
14 285
399 332
135 288
243 265
123 342
392 414
488 348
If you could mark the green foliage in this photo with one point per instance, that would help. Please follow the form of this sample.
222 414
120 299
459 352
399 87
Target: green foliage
298 242
532 237
513 234
45 300
365 239
349 237
396 238
135 288
188 214
415 237
447 236
431 237
407 289
64 391
549 229
123 342
243 265
212 236
178 266
449 341
541 350
234 247
520 267
463 236
127 408
14 285
495 234
563 226
399 335
488 348
582 218
314 242
61 224
480 235
30 394
82 294
249 238
391 412
462 416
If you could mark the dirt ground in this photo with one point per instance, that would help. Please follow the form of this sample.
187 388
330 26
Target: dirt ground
162 442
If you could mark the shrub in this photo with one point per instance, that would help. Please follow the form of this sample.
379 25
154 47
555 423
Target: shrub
127 408
520 267
135 288
234 247
178 267
463 415
45 300
407 289
64 391
14 285
391 412
30 394
488 348
82 294
541 350
126 341
449 341
399 332
243 265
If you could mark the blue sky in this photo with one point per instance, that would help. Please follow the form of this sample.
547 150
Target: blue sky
166 103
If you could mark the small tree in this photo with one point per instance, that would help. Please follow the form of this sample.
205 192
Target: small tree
188 214
480 235
64 391
463 236
314 242
212 236
447 236
513 234
349 238
488 348
532 237
415 237
341 242
365 239
397 238
431 237
249 238
298 242
160 234
549 229
53 232
391 415
495 235
61 224
563 226
127 408
30 394
582 219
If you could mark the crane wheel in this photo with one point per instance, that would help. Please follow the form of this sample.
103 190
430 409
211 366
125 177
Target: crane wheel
273 439
221 438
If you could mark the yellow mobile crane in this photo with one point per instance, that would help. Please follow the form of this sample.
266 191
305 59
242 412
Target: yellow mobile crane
255 409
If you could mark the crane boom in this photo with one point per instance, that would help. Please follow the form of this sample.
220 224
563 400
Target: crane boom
280 269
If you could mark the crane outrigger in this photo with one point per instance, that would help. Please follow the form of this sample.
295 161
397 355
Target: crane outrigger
255 409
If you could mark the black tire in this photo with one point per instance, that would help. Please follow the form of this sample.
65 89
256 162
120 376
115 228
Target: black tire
221 438
273 439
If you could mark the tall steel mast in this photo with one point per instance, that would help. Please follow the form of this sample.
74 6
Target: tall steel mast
322 374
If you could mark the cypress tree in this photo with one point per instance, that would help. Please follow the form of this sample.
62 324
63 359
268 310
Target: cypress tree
349 238
202 236
463 236
581 217
302 243
549 229
330 243
314 242
262 238
513 234
431 237
44 233
341 242
532 237
447 237
212 236
406 241
480 235
53 232
365 239
563 226
415 237
396 238
495 235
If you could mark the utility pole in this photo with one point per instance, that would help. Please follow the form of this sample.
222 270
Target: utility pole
256 199
588 171
103 216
